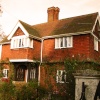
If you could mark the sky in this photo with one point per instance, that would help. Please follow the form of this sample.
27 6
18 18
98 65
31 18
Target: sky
35 11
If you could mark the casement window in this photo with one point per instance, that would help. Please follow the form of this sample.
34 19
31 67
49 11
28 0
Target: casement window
5 73
95 44
61 76
32 74
64 42
20 73
21 42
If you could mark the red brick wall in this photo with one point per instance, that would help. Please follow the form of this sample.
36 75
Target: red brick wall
83 47
22 53
95 55
48 75
18 32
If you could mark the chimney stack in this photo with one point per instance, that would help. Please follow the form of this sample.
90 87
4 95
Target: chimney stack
53 14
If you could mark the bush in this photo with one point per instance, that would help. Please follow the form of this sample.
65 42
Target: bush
30 91
7 91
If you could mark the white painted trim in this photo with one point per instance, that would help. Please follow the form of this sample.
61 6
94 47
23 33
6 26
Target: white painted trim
39 75
21 60
97 19
94 35
0 51
20 36
26 75
15 28
35 37
66 34
88 77
58 42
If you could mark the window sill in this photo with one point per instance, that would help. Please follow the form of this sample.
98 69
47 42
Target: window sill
63 48
21 48
62 82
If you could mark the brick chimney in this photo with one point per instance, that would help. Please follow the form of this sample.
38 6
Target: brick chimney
53 14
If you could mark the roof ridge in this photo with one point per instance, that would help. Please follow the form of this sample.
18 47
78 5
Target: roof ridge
66 18
80 15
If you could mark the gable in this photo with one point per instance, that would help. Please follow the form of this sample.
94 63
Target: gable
96 30
18 32
18 25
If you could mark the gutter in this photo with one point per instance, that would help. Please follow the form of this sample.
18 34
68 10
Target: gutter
41 51
66 34
4 43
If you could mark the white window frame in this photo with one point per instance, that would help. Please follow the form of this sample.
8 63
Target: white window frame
95 44
59 76
33 73
21 42
5 73
64 42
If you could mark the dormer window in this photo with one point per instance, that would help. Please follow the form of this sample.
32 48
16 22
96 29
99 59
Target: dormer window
63 42
21 42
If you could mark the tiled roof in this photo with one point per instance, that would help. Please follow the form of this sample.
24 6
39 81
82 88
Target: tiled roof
31 30
68 25
64 26
4 40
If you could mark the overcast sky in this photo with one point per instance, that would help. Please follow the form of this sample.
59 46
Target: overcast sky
35 11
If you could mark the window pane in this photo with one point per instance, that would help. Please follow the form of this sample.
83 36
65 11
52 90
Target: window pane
95 44
61 76
5 73
61 42
20 74
32 73
65 41
57 43
69 41
19 42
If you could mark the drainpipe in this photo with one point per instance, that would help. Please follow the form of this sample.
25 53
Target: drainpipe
41 49
40 60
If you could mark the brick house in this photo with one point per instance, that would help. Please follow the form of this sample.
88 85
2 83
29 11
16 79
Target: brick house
51 42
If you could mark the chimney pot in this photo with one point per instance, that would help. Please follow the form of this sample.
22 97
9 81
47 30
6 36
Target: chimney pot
53 14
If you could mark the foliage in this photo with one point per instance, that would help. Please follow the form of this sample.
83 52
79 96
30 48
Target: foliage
30 91
65 90
7 91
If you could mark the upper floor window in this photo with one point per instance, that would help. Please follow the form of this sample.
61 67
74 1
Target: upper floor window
21 42
61 76
5 73
64 42
95 44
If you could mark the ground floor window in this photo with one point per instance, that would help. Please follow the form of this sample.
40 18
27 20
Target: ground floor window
61 76
5 73
20 73
25 73
32 73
